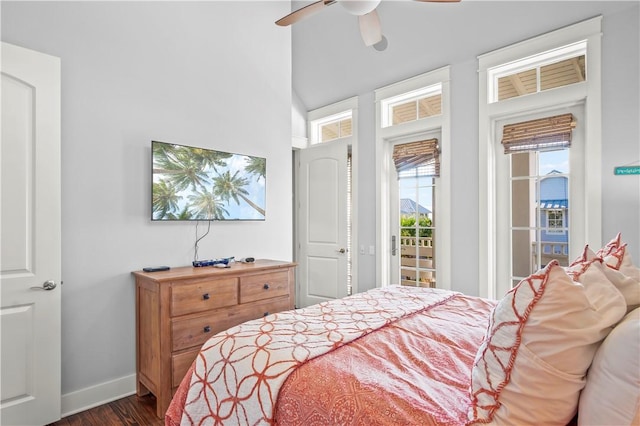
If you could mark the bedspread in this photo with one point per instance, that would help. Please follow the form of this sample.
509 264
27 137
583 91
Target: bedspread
415 371
237 375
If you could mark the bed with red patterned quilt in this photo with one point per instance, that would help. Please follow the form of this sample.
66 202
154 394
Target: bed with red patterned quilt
559 348
398 355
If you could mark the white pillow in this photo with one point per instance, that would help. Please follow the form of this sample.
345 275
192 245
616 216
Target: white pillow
617 261
611 246
612 393
617 256
620 269
541 339
625 275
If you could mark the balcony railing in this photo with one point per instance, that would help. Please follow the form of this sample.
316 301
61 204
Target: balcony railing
416 262
549 251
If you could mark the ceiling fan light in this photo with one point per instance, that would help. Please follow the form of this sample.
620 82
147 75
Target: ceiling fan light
359 7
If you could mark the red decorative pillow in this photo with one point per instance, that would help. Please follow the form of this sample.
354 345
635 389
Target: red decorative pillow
540 342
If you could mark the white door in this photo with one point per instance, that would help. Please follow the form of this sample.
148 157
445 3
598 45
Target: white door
520 238
30 258
412 204
322 192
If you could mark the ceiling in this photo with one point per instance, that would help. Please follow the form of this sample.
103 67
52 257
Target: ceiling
331 63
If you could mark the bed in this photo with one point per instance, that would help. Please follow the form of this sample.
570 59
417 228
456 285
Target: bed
420 356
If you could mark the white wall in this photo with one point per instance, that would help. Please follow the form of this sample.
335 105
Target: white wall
209 74
621 127
620 105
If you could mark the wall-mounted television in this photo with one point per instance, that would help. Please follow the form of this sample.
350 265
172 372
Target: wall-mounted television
190 183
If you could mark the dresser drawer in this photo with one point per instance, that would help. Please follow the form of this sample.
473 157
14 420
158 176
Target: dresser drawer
197 296
264 286
193 331
180 364
265 307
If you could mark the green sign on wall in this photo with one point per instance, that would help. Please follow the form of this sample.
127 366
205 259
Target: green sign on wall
627 170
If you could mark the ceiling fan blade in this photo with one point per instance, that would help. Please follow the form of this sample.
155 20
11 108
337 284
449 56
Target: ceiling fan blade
304 12
370 28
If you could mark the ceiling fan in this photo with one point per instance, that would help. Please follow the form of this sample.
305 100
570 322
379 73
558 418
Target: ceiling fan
365 10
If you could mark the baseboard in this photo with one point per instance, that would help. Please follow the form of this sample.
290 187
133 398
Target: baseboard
84 399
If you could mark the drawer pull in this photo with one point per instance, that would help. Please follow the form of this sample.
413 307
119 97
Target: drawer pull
206 296
265 314
266 286
207 329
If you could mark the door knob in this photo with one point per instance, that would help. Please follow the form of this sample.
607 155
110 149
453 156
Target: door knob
47 285
342 251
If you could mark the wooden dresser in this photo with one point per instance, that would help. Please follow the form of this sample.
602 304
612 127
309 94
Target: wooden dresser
179 309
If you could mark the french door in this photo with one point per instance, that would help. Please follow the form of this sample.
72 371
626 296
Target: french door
413 195
541 207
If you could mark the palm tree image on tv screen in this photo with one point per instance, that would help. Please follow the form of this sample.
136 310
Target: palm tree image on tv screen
203 184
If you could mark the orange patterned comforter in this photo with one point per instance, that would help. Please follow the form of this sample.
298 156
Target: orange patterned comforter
388 356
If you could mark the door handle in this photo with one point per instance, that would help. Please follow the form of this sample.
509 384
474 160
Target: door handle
342 251
47 285
394 248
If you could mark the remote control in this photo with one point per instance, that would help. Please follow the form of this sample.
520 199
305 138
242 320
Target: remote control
200 263
156 268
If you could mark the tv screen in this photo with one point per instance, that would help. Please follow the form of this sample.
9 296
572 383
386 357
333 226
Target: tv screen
203 184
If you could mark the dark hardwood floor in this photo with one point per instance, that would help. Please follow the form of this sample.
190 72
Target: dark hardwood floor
132 410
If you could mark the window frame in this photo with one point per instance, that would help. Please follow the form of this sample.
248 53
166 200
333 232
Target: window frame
555 229
329 114
388 104
586 227
413 131
535 61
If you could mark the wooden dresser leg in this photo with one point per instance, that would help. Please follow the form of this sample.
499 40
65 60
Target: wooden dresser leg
162 404
141 390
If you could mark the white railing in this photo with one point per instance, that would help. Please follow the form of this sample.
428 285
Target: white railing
417 261
549 250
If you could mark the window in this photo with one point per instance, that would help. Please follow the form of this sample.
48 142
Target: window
413 181
418 165
332 127
537 196
543 71
532 209
412 106
555 221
